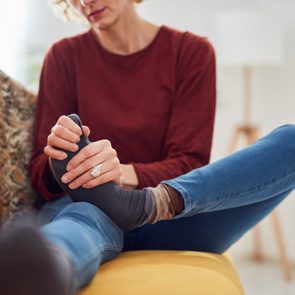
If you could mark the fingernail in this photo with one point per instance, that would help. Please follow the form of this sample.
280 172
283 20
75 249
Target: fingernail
63 157
69 167
75 148
64 179
72 185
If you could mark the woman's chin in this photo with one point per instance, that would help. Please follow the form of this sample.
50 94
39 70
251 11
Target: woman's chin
102 25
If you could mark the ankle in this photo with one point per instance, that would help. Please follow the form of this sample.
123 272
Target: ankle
176 199
168 203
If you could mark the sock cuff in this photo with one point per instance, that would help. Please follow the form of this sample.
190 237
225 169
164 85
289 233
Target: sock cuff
176 199
162 204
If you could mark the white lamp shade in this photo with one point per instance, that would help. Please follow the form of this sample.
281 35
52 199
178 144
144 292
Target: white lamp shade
248 38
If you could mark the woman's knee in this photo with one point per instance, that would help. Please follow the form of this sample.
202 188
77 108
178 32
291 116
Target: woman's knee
90 215
85 212
286 132
284 139
50 209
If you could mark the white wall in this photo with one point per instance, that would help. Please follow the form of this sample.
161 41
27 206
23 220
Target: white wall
28 25
273 93
11 35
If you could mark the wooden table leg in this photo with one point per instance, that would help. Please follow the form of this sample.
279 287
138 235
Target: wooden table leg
285 263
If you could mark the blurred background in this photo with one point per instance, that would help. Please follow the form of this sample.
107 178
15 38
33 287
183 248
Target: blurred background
265 76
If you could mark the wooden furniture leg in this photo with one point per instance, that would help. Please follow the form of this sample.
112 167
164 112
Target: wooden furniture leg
286 266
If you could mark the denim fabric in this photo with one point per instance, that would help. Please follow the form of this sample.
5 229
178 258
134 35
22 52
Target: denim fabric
254 174
85 234
223 200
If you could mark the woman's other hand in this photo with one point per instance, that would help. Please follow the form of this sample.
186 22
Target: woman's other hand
79 167
65 134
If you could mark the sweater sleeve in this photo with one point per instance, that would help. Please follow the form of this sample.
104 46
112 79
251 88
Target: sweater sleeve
55 98
189 135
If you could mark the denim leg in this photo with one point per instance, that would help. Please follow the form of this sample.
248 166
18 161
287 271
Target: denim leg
86 235
213 232
50 209
259 172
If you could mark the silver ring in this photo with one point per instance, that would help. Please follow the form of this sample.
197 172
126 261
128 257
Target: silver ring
96 170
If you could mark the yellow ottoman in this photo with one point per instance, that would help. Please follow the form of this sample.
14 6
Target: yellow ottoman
166 272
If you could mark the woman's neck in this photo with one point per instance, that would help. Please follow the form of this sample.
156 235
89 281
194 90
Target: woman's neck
127 35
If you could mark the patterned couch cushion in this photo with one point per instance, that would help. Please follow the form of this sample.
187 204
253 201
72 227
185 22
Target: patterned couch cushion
17 107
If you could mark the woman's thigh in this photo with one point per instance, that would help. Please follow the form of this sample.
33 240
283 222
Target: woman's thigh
210 232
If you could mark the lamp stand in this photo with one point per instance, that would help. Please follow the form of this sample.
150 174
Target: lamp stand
250 133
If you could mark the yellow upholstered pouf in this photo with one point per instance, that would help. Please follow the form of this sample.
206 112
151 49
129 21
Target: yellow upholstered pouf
166 272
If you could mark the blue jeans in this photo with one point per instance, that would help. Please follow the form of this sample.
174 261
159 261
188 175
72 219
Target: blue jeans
223 200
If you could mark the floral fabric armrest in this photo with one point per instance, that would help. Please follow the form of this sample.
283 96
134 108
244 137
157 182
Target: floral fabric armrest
17 107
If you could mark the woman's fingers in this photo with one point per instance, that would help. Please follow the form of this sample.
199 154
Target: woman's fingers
86 130
54 153
103 178
79 167
56 141
65 133
109 171
90 150
67 122
84 166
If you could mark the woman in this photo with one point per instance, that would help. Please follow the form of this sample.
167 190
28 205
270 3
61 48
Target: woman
147 94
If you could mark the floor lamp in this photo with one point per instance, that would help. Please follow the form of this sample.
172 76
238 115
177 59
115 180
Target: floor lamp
250 39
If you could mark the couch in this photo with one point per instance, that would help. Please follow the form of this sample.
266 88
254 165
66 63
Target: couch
132 272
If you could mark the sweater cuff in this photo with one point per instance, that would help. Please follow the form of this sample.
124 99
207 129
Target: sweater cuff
138 175
144 178
50 190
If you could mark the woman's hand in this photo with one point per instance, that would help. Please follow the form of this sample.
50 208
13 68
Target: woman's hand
79 167
64 134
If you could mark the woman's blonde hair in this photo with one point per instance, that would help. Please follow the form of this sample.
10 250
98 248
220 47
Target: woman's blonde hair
63 8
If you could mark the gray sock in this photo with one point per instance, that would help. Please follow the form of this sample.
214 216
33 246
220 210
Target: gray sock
127 208
28 267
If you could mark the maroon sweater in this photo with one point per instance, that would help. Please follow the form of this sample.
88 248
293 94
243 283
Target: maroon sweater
156 106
